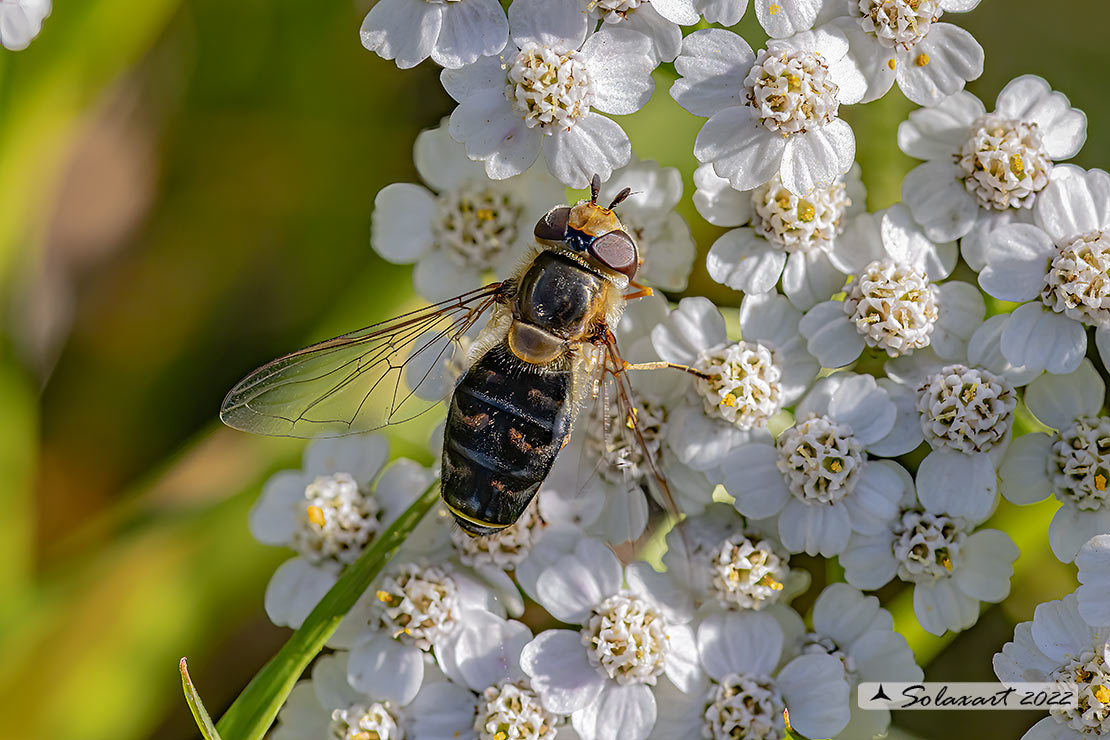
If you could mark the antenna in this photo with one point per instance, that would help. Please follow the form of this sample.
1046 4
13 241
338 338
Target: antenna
595 187
620 197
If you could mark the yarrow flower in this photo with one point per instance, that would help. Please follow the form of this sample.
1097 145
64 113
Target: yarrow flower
751 682
328 706
782 235
543 89
724 12
329 512
854 628
748 382
488 696
775 113
1062 259
451 32
952 566
724 564
21 21
894 303
816 476
463 225
630 639
1072 464
659 20
984 169
1059 646
903 40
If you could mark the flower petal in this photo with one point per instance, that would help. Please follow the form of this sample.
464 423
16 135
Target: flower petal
814 528
559 24
987 565
1093 596
492 132
385 668
938 132
1041 339
809 277
741 150
712 65
403 30
1024 471
578 582
941 606
620 64
1074 204
1031 99
815 158
739 642
753 478
1018 257
939 202
940 64
744 261
815 691
956 484
560 671
1058 400
830 335
717 201
471 29
619 712
696 324
782 18
594 145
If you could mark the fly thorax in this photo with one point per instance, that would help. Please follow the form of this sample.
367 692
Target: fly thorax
795 224
820 460
791 90
504 549
625 639
1079 465
744 706
1077 283
549 89
417 605
335 520
476 225
748 573
894 307
901 23
966 409
376 721
927 546
511 711
744 387
1091 676
1003 163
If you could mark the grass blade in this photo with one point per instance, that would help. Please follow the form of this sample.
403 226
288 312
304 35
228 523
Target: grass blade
196 706
252 713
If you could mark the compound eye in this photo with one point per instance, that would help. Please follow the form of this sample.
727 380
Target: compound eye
553 226
617 251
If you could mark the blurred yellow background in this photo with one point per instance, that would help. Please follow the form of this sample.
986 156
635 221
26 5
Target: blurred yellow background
185 193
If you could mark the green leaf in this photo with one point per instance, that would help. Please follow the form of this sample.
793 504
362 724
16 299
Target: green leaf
252 713
196 706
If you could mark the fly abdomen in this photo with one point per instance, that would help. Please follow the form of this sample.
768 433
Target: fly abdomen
506 424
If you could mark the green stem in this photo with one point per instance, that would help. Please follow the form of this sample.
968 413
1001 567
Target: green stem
196 706
252 713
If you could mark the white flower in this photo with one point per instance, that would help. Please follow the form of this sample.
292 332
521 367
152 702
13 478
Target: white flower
663 239
1073 464
489 697
724 564
816 476
902 40
21 21
451 32
629 637
542 89
463 225
750 381
327 706
771 114
329 512
659 20
894 303
409 610
952 566
855 629
748 692
965 407
724 12
983 170
1062 259
782 236
1059 646
1093 561
601 479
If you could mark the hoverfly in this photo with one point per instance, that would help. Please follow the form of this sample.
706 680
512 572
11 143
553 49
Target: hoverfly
547 344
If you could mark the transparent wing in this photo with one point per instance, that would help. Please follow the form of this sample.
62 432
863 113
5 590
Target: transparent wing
384 374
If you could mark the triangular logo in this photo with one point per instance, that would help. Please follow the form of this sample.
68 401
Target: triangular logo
880 694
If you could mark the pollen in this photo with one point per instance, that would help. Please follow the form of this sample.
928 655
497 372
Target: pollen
947 563
729 400
892 63
774 9
485 214
1100 482
316 516
384 596
770 583
921 60
806 211
1017 166
1102 694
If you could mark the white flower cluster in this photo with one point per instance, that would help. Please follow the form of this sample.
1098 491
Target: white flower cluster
868 398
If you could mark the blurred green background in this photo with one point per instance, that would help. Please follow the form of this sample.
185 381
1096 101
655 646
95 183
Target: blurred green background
185 192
